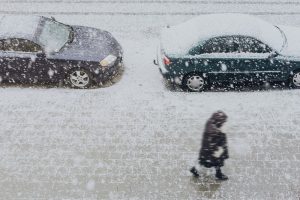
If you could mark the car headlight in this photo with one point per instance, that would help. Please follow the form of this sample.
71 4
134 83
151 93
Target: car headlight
108 61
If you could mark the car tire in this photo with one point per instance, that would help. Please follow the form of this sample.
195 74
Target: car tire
79 78
295 79
194 82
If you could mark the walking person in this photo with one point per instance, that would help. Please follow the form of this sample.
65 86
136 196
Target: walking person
214 149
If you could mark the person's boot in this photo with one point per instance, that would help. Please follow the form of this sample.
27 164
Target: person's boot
194 171
220 175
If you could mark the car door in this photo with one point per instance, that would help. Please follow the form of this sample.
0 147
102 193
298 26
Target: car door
11 61
257 61
4 63
25 61
218 57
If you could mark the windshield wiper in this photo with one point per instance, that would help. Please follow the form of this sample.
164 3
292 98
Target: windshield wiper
71 35
284 37
70 39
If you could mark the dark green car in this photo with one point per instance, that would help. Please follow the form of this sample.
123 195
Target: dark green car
213 49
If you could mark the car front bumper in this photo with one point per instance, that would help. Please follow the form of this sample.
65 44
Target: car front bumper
106 74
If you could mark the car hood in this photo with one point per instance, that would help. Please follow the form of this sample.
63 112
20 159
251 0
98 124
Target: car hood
89 44
292 47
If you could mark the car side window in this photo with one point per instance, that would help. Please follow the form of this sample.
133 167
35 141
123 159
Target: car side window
251 45
226 44
20 45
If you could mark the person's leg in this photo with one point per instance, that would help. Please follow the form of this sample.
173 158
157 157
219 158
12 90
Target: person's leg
194 171
219 174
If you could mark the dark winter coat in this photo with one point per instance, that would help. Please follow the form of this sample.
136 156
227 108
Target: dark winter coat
213 138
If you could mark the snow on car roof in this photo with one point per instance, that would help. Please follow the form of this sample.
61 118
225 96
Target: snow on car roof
179 39
18 26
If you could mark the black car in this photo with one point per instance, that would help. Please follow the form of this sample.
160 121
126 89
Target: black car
39 49
229 48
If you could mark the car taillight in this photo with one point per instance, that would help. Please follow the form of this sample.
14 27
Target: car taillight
166 60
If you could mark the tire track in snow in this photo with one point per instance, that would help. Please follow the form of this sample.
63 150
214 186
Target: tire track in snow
137 13
158 1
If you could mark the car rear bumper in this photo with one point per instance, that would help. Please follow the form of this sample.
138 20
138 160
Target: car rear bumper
170 77
167 74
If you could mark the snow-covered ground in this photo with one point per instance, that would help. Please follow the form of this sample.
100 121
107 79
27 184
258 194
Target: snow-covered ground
138 138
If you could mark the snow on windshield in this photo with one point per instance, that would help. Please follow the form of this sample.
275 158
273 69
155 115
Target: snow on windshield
54 36
179 39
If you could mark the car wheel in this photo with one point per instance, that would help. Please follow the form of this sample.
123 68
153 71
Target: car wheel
79 78
295 79
194 82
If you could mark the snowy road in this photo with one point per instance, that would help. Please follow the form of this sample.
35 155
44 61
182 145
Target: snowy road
138 138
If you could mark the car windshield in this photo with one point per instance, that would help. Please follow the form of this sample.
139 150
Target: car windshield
54 35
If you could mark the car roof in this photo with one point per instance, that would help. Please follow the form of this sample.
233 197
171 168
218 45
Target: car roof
24 27
179 39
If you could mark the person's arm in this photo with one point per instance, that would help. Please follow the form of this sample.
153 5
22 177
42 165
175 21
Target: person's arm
221 146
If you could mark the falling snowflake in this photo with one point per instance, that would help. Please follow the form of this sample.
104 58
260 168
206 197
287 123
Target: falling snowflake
90 185
97 71
50 73
32 58
223 67
75 181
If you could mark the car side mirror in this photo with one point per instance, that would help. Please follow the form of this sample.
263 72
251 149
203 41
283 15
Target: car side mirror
41 55
272 55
